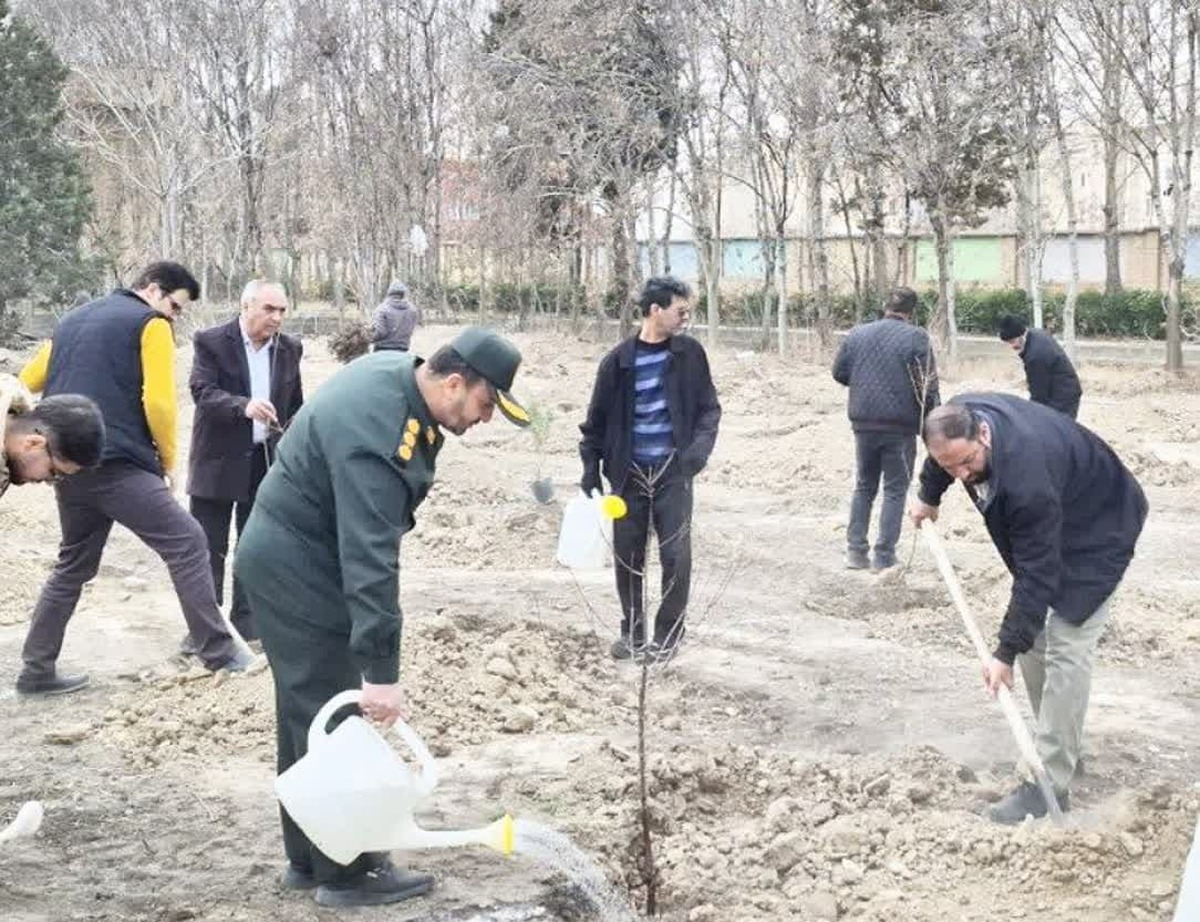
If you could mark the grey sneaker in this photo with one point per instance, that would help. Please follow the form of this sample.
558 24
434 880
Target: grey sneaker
239 662
376 887
1026 800
50 683
857 560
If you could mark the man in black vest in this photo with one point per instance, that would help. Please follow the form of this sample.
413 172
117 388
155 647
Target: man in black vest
246 384
1051 377
120 351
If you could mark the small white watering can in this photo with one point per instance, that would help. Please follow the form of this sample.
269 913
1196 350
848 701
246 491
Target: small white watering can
585 535
352 793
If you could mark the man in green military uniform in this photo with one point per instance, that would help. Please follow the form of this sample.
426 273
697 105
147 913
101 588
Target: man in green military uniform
319 556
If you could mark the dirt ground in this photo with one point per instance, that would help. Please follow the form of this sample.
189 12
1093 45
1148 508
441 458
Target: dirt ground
821 750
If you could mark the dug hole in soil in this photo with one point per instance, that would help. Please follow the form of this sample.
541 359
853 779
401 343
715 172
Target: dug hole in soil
820 750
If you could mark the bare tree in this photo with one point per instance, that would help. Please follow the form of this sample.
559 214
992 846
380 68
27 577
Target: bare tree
950 101
1159 58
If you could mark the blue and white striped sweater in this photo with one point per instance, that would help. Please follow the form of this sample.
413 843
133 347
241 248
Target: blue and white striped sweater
652 441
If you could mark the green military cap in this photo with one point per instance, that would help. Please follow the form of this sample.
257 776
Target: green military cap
497 361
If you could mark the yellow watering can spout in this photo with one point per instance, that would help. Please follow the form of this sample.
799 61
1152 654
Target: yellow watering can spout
499 836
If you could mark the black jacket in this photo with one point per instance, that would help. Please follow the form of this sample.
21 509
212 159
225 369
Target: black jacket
1061 508
1051 376
607 441
887 364
222 437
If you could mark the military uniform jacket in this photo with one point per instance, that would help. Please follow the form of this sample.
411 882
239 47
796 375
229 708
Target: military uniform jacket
326 526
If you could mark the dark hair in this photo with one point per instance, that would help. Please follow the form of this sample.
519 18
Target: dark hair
169 277
662 290
1010 327
951 421
447 361
901 301
73 427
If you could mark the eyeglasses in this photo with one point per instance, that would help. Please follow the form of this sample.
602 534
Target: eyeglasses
56 475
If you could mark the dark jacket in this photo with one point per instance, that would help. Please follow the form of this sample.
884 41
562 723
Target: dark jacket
219 463
97 352
888 365
1061 508
1051 376
607 441
393 323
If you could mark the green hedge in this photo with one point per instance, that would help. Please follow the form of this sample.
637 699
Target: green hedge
1135 313
1132 313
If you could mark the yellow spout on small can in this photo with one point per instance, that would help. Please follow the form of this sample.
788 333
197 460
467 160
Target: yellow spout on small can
503 835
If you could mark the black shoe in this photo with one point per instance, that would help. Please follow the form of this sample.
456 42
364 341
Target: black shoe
857 560
1026 800
49 683
297 877
187 646
879 564
382 885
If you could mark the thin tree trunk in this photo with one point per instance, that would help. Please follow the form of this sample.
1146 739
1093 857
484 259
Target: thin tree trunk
781 314
816 224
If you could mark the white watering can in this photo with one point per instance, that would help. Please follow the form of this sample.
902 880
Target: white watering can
585 535
352 793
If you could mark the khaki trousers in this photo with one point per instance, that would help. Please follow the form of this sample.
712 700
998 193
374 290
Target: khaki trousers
1058 677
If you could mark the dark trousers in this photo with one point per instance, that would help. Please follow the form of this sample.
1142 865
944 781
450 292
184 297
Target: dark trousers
662 497
88 504
892 455
214 516
309 666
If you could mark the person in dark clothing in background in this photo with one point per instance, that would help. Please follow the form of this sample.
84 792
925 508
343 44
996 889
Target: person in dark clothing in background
1051 377
120 351
394 320
1065 515
246 383
889 367
650 427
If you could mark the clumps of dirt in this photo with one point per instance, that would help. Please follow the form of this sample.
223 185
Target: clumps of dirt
468 681
1155 471
742 832
1119 382
484 527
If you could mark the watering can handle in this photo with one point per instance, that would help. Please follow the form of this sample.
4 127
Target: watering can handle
427 779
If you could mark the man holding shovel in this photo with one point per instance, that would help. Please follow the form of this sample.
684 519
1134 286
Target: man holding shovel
319 556
1065 514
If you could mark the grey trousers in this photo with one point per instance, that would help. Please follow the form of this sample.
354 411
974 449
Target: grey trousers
1058 677
889 455
88 504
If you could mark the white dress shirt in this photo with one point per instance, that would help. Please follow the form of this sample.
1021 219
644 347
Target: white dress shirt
259 360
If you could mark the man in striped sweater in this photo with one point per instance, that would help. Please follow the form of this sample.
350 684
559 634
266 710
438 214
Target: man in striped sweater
650 427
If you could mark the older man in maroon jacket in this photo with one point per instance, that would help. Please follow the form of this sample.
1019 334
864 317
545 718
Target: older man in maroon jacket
246 384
